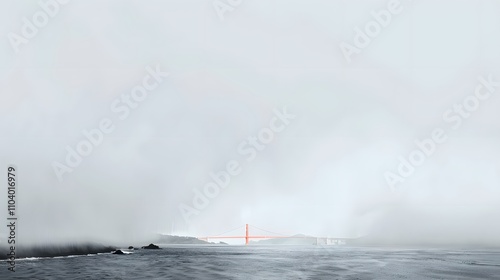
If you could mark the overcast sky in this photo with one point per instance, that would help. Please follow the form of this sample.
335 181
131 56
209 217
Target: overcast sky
231 67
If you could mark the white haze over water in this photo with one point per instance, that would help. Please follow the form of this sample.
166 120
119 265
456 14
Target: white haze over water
323 175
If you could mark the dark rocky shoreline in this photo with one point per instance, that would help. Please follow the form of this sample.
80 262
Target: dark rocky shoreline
57 250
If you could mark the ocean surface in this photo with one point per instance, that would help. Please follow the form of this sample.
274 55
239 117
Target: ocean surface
269 262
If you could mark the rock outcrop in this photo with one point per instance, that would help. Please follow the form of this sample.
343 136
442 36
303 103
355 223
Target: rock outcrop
151 246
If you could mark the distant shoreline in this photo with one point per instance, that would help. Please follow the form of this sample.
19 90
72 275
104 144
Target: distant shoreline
79 249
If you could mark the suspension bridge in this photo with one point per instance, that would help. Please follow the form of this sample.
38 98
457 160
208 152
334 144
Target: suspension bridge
247 237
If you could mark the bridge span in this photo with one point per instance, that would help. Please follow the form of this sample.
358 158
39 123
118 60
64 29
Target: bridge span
248 236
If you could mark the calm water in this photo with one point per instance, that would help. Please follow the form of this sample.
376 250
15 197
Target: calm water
276 262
